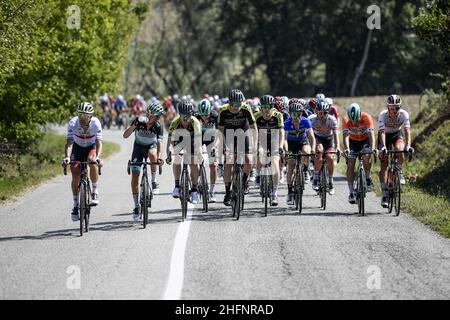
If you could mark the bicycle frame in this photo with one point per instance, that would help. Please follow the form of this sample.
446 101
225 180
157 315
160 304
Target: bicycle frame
323 188
84 193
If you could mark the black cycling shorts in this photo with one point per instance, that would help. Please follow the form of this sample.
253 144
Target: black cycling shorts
327 143
391 139
295 147
81 154
356 145
139 153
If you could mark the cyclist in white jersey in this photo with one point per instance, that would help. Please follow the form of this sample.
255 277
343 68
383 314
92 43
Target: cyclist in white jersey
390 136
84 144
325 129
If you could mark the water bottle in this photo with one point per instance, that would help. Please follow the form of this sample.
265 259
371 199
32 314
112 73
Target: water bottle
143 119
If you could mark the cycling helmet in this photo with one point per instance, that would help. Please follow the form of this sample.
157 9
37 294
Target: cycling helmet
155 108
236 96
320 96
85 107
285 101
267 100
279 105
204 107
394 100
302 102
295 107
255 105
186 108
354 112
292 101
329 101
312 103
322 106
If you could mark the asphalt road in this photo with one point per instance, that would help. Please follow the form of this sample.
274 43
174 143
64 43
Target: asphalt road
332 254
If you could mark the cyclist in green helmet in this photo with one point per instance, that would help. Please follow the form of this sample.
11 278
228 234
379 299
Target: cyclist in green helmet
149 133
208 119
358 131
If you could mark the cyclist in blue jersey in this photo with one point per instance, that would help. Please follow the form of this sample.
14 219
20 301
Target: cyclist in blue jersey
299 139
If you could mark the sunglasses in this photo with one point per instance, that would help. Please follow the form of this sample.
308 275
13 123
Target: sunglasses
266 106
235 105
394 107
186 116
84 116
295 115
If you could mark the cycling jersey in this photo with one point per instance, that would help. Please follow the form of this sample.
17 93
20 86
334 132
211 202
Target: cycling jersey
267 125
390 125
297 134
358 130
323 129
240 120
334 112
81 137
194 126
148 136
208 128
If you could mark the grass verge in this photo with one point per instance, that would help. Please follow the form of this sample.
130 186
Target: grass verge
20 172
429 208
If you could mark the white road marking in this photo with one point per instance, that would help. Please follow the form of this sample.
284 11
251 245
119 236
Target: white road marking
176 274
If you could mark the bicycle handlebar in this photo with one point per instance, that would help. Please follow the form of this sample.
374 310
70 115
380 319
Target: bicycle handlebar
82 162
331 152
410 154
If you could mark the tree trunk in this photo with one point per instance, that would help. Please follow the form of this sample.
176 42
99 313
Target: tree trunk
360 68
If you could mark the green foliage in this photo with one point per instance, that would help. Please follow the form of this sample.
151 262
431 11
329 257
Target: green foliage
46 67
301 46
18 172
433 25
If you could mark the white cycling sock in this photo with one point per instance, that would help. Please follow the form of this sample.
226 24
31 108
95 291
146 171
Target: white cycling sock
330 179
212 189
316 175
136 200
351 189
75 201
275 190
94 188
153 176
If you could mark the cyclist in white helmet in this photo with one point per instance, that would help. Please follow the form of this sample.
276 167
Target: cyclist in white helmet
84 144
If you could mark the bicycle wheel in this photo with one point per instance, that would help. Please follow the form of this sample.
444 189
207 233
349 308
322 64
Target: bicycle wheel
83 205
360 192
397 192
296 188
144 200
239 193
323 188
265 188
205 188
391 194
88 206
184 193
301 187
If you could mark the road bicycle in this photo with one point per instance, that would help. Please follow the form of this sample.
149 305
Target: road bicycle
237 187
84 193
299 178
393 183
360 183
266 183
146 191
323 176
203 186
